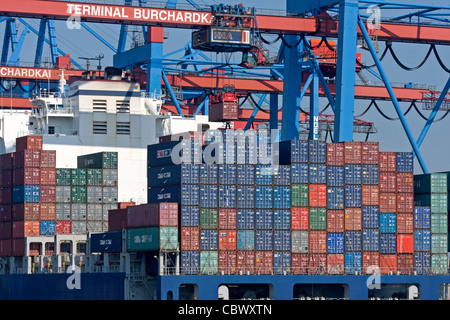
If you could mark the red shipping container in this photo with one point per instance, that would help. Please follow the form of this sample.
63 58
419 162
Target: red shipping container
227 240
245 262
317 264
117 219
26 211
26 176
388 202
48 211
405 182
49 249
18 247
48 193
190 238
27 228
300 218
335 264
370 195
48 159
353 219
299 263
388 161
318 242
335 154
48 176
370 262
227 219
5 248
335 220
5 212
34 249
152 215
370 152
352 152
263 262
405 263
29 143
317 195
227 262
388 182
6 161
63 227
5 230
405 223
5 196
6 178
405 202
405 243
388 263
27 158
124 205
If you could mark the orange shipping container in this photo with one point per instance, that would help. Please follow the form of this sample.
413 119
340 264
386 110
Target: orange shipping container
335 264
299 263
27 228
388 202
317 264
318 242
227 262
48 211
317 195
26 211
227 240
299 218
405 263
48 176
388 263
48 159
370 195
29 143
370 261
388 161
405 243
227 219
245 262
388 181
190 238
335 154
405 223
263 262
370 152
405 202
335 220
405 182
352 152
353 219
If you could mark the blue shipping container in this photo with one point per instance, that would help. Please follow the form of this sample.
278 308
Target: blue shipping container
282 197
172 175
245 240
208 239
335 243
388 243
371 239
318 173
422 217
422 262
370 174
227 196
209 197
405 162
263 240
299 173
27 193
208 174
227 174
245 196
245 174
352 174
281 262
263 197
293 151
282 240
352 240
353 262
335 176
263 219
245 218
190 216
370 217
160 154
282 175
47 228
335 198
422 240
317 151
263 174
282 219
388 223
185 194
106 242
353 196
190 262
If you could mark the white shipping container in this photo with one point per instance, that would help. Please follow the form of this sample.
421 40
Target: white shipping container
94 226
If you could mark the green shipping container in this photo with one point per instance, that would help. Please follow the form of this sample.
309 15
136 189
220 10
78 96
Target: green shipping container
437 201
299 195
209 262
63 176
439 243
152 239
78 194
208 219
94 177
439 264
100 160
317 219
439 223
79 177
431 183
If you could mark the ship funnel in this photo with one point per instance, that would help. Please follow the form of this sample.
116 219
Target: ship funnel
112 73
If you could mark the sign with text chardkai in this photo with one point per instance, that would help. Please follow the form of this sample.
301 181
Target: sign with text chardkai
27 73
139 14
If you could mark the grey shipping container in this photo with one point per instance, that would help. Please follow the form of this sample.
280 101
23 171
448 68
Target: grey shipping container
300 241
94 211
106 207
94 194
62 211
78 227
78 211
94 226
110 194
63 194
110 177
